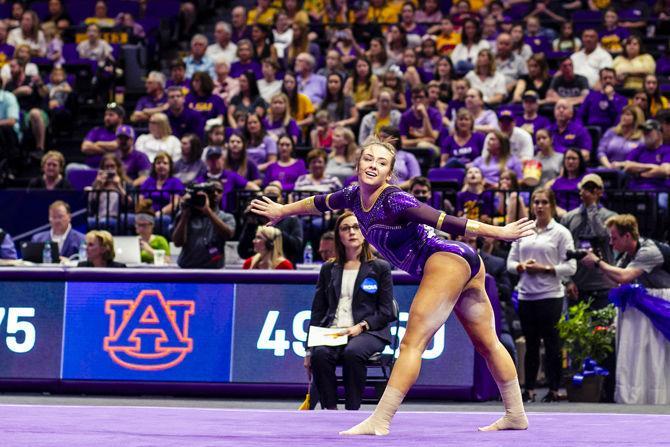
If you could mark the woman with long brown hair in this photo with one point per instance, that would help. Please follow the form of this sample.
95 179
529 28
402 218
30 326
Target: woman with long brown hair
364 313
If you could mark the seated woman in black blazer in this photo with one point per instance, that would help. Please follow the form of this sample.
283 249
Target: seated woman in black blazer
99 250
355 293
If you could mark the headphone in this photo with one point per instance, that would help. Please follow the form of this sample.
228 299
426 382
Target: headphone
270 243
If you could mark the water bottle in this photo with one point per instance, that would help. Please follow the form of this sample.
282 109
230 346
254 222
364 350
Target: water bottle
82 252
308 254
46 253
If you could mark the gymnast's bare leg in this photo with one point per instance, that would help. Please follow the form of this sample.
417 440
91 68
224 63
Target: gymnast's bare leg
432 305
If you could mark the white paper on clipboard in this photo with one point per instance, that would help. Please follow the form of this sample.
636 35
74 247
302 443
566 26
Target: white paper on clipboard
323 336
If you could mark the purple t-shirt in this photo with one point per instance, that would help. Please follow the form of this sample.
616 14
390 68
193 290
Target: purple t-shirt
287 175
94 135
237 68
452 108
231 182
598 110
161 198
532 125
406 166
615 147
409 120
474 205
188 121
491 170
259 154
278 129
567 192
208 107
147 102
135 162
539 44
574 135
642 154
463 152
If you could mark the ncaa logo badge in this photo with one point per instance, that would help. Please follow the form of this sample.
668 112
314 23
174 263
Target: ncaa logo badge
369 285
148 333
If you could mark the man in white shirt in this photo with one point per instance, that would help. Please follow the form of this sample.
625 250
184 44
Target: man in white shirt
520 141
591 58
223 48
61 232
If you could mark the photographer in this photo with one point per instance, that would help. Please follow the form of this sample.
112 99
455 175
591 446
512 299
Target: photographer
640 260
587 225
202 228
291 229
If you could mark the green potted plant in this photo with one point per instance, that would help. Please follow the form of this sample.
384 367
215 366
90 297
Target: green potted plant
587 334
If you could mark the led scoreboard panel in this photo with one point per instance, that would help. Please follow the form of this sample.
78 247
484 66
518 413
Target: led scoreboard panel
183 327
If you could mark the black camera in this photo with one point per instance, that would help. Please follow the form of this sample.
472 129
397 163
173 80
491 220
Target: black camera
198 200
575 254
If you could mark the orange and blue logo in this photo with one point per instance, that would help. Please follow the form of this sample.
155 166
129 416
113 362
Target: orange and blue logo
148 333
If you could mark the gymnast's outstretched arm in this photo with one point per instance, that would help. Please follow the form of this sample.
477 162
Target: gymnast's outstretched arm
314 205
459 226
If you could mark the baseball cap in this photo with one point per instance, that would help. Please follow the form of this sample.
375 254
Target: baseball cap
116 108
530 95
505 114
592 178
125 131
214 151
650 125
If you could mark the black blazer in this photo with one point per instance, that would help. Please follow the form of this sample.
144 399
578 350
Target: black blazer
375 307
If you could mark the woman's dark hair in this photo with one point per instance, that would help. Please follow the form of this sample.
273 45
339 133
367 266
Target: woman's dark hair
206 83
292 96
337 98
628 39
196 147
290 140
239 166
368 77
255 140
551 196
436 75
253 85
341 252
478 32
383 57
403 38
581 170
165 155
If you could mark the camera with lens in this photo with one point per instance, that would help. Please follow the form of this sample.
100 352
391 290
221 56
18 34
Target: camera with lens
197 200
110 175
577 255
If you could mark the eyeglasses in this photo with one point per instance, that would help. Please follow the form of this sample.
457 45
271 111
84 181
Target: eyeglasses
348 228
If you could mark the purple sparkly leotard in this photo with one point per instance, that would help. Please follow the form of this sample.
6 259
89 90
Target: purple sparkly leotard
401 228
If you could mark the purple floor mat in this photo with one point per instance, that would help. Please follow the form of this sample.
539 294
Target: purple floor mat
92 426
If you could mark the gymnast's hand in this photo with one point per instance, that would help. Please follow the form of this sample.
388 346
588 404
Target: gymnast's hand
268 209
516 230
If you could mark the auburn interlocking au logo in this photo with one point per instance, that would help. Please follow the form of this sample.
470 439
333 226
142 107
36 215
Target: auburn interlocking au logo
148 333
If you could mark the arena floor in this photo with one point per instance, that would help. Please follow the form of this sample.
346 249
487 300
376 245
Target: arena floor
37 420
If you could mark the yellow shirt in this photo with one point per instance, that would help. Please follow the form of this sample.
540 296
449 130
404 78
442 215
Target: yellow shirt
362 92
382 15
445 45
643 63
381 122
655 107
265 18
314 6
305 108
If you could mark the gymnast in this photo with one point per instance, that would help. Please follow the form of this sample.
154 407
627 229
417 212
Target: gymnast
451 272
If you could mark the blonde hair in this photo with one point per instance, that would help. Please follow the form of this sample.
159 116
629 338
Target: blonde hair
272 236
106 241
350 152
53 154
376 140
287 113
624 223
163 124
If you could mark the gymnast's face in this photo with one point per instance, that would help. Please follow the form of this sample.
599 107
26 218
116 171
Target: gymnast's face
375 166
